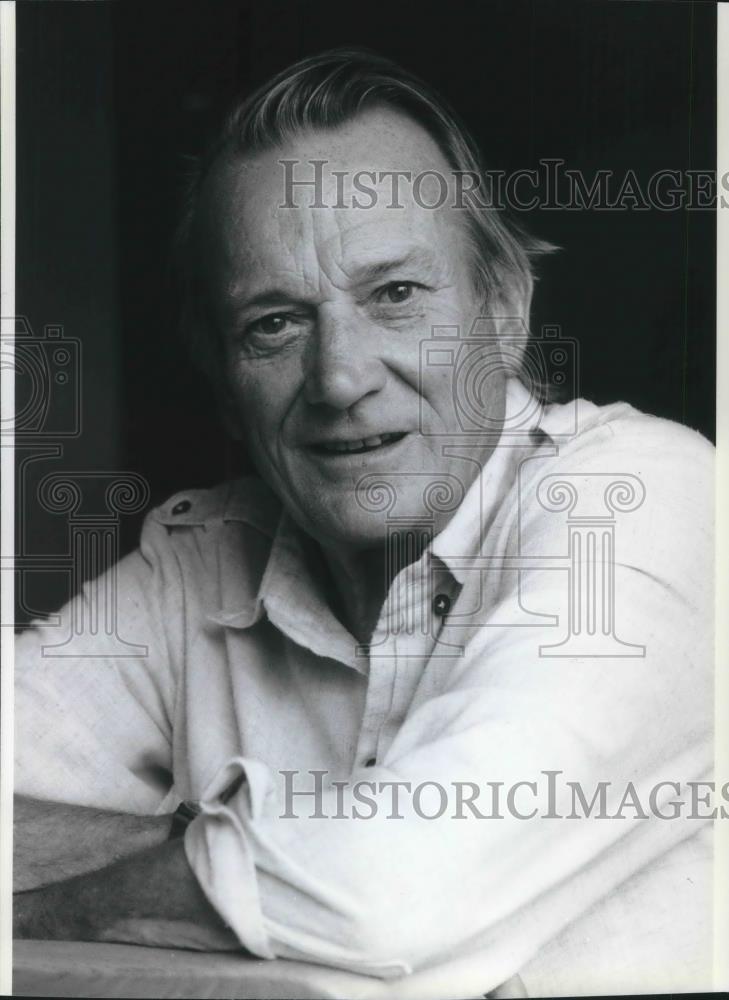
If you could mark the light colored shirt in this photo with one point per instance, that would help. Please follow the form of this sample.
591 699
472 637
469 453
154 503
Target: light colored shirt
541 631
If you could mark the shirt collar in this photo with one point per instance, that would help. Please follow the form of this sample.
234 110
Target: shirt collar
292 593
237 596
283 582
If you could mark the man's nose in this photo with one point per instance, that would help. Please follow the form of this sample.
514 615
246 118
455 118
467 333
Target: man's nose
342 366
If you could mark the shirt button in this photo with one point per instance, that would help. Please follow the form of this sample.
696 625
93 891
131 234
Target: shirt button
371 762
182 507
441 604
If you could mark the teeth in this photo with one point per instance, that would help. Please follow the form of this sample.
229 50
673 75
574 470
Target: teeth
360 445
340 445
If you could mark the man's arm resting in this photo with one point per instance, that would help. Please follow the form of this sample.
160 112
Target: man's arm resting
54 841
150 898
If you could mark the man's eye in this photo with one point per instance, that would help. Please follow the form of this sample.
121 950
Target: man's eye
268 325
399 291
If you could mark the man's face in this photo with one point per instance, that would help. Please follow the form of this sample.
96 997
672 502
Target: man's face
323 312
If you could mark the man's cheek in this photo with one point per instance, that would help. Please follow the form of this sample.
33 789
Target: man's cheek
436 399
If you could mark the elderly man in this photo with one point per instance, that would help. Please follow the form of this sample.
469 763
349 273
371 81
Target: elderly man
432 696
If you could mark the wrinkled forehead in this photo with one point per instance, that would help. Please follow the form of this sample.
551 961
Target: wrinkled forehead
330 199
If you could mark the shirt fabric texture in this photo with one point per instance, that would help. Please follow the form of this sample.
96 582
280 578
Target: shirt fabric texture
248 673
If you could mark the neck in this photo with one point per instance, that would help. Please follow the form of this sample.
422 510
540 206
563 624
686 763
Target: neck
360 581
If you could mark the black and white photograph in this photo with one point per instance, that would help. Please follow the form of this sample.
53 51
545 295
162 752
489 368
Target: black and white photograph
360 614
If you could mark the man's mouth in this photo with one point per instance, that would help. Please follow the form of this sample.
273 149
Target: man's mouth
358 446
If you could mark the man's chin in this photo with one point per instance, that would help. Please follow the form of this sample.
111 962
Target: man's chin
365 532
362 514
347 532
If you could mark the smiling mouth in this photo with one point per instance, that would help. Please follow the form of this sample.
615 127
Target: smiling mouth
357 446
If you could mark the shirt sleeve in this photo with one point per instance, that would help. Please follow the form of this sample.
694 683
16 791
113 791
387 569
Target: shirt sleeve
388 895
93 704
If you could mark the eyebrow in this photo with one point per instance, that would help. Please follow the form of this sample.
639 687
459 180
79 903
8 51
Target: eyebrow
268 299
420 256
362 274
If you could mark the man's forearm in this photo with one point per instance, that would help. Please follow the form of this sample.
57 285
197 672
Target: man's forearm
150 898
54 841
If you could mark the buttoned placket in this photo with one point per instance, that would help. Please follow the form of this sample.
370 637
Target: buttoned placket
402 642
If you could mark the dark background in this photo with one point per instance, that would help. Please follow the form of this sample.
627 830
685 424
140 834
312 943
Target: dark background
113 97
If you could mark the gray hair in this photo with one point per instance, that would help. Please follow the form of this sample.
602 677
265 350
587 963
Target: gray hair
324 92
